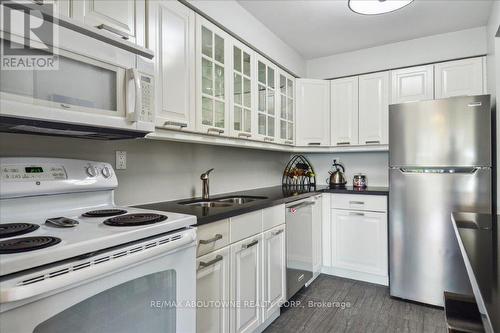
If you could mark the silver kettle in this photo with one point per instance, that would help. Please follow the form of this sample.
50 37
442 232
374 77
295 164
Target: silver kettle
337 178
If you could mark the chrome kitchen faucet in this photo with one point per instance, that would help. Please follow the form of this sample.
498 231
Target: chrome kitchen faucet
205 189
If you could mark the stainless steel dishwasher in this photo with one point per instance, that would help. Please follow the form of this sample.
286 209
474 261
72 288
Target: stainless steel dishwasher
299 244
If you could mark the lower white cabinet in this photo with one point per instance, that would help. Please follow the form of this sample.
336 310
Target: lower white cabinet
246 284
249 270
274 270
355 242
359 245
212 285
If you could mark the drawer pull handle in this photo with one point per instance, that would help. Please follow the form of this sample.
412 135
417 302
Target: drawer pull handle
343 143
175 123
66 106
474 104
356 214
246 246
216 130
211 240
244 135
356 202
113 30
314 144
374 142
211 262
275 233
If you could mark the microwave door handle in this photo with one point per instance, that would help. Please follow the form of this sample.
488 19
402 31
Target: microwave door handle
133 108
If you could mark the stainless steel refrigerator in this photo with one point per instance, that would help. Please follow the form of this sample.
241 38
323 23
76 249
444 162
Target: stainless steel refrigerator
440 161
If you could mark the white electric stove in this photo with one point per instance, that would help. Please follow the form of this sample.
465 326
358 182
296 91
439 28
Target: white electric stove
65 248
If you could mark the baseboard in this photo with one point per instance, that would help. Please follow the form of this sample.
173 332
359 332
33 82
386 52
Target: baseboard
355 275
268 322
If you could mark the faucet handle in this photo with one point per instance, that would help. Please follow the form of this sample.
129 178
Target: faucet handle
206 173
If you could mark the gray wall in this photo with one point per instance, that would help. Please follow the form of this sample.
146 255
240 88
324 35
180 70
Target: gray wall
160 170
375 165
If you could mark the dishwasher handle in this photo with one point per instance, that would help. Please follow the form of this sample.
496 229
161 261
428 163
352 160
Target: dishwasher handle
302 205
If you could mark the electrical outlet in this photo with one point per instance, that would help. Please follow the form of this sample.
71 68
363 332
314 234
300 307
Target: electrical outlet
121 160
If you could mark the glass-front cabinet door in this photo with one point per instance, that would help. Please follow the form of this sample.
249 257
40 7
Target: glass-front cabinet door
286 108
266 100
212 57
242 93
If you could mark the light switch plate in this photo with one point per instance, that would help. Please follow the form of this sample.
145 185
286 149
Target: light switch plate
121 160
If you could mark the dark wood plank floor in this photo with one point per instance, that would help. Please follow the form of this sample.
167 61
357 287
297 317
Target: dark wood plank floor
360 307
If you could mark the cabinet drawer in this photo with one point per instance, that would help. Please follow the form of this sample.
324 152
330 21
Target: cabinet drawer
212 236
272 217
245 225
376 203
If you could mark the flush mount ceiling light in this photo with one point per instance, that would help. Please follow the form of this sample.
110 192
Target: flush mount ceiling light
374 7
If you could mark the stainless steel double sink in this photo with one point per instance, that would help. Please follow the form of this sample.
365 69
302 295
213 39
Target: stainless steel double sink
222 202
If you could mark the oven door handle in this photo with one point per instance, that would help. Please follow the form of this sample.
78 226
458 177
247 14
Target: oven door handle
95 271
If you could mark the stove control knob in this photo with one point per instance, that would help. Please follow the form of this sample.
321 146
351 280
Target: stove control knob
106 172
91 171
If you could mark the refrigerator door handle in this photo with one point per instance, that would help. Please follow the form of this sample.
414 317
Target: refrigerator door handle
453 170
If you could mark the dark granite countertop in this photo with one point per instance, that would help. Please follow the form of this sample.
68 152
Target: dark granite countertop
479 241
275 195
370 190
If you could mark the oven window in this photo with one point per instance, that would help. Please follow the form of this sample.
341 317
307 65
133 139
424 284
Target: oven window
146 304
75 83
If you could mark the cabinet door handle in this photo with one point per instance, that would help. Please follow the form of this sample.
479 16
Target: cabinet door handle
372 142
314 143
216 130
244 135
356 214
113 30
252 243
175 123
275 233
343 143
356 202
66 106
211 240
211 262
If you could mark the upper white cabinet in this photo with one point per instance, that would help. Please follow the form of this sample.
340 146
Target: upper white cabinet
124 19
286 108
242 91
266 100
412 84
313 112
460 78
212 88
344 111
171 36
374 108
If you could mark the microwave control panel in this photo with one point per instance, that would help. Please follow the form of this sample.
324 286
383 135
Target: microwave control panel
147 97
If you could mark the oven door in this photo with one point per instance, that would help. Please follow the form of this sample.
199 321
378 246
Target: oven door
151 290
102 90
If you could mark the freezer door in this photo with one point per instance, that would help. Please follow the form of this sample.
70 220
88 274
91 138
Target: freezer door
424 255
452 131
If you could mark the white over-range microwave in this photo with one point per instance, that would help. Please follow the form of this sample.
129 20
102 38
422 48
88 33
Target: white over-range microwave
96 90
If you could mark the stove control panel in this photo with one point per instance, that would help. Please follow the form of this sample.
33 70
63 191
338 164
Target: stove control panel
31 172
29 176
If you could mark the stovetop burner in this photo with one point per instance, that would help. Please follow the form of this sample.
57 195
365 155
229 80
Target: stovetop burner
16 229
24 244
131 220
104 212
